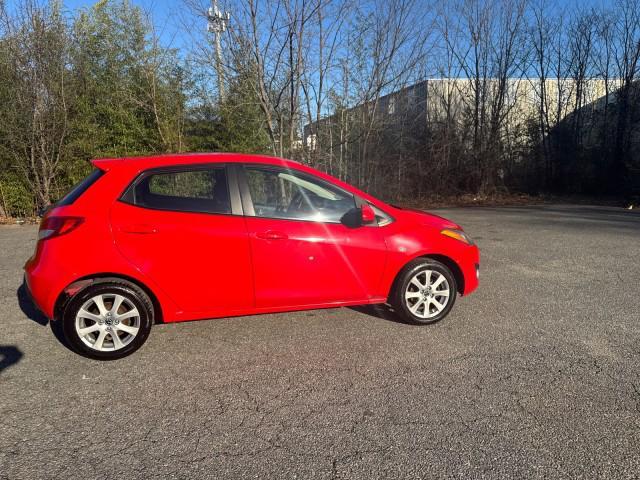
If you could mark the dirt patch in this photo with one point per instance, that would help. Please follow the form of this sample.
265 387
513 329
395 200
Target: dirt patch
19 221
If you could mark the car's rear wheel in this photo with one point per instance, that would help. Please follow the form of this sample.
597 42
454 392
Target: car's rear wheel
107 320
424 292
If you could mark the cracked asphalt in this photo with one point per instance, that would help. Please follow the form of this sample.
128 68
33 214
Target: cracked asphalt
534 375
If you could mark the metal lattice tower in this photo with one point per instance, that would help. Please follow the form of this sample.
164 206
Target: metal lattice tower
217 23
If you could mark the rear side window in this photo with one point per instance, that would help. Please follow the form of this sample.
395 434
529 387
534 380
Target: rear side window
80 188
203 190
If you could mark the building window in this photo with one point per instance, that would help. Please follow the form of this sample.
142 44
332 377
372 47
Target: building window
411 97
391 107
310 141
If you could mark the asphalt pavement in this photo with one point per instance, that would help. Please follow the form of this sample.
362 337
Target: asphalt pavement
535 375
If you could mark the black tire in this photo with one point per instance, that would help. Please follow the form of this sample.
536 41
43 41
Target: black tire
397 298
109 286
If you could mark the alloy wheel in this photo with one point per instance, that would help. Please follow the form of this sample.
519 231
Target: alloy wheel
427 294
107 322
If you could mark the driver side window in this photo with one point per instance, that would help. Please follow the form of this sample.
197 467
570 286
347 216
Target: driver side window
287 194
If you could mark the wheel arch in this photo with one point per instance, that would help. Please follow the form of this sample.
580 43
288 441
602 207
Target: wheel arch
453 266
445 260
80 283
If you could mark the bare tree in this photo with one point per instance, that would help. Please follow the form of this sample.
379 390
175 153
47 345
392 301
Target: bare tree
320 65
603 59
581 40
544 28
36 119
490 51
391 42
628 66
159 68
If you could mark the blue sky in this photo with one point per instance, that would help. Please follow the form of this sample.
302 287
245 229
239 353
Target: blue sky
171 16
180 28
160 8
168 16
165 8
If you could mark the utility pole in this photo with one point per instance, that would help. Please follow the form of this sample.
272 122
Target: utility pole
217 22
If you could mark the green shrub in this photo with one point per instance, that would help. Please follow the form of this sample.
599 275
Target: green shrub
15 198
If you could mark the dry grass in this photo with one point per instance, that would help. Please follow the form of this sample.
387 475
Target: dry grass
19 220
509 199
470 200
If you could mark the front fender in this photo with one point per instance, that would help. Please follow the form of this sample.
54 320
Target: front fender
426 241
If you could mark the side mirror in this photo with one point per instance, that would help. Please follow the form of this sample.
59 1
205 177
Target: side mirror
359 216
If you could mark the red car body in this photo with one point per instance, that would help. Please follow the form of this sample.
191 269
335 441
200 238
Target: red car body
203 265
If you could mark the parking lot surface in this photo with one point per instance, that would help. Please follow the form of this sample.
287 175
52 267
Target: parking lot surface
537 374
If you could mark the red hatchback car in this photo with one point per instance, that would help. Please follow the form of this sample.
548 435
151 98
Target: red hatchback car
185 237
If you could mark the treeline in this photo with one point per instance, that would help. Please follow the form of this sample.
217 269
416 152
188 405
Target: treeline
533 96
72 89
104 82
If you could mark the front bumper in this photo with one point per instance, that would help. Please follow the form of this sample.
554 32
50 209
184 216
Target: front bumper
470 266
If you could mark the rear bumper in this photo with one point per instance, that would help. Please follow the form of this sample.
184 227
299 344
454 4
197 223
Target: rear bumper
41 289
29 295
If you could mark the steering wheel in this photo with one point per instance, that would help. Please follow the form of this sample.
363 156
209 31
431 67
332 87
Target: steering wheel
293 204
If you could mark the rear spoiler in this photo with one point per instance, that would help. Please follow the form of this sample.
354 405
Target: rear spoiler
105 164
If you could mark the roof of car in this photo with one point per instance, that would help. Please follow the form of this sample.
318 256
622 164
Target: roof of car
151 161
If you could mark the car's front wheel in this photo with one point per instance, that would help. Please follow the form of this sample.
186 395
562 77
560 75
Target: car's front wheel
424 292
107 320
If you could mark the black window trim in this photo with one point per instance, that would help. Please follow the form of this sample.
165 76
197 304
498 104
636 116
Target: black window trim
247 201
128 196
80 188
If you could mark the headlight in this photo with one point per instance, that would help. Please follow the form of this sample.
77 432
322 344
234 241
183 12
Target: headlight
458 235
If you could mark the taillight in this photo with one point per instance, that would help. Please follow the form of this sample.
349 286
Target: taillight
56 226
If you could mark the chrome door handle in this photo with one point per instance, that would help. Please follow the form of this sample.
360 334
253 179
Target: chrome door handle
272 235
140 229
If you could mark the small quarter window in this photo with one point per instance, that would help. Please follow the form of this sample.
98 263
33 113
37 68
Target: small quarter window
80 188
202 190
382 218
